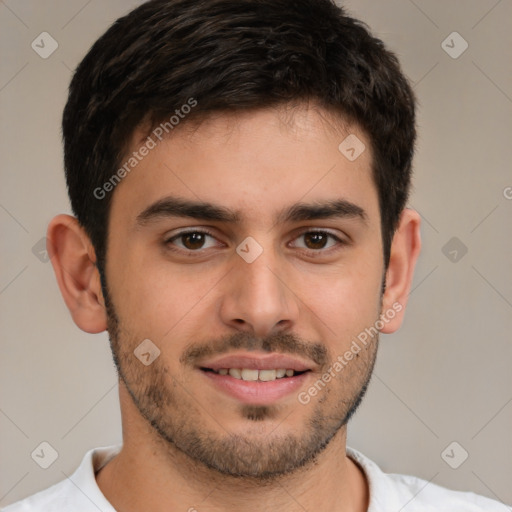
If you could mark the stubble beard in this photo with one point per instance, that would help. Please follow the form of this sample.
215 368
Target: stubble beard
181 423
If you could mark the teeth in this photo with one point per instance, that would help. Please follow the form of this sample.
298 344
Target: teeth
266 375
250 374
235 372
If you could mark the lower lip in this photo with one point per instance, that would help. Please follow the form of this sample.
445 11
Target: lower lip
256 392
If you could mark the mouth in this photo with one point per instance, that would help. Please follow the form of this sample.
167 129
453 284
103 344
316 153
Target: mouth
254 374
256 379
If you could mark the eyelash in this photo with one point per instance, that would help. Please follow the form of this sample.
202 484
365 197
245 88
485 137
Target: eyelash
311 252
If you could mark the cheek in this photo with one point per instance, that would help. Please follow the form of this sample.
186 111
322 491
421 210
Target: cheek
346 301
156 298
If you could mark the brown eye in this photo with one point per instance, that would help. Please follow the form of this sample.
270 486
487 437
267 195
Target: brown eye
191 241
316 240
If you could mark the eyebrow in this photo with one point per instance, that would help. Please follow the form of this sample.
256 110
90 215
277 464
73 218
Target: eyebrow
176 207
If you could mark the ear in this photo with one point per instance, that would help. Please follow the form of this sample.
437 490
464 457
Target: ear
74 263
405 249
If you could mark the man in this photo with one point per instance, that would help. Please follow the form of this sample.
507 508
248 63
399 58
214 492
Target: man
239 171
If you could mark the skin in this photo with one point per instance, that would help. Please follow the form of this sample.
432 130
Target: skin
299 294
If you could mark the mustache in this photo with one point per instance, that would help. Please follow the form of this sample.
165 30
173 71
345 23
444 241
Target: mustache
280 342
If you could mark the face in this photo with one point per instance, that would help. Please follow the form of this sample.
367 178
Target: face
246 247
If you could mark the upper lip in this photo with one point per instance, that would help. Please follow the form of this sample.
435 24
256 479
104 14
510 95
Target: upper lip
256 362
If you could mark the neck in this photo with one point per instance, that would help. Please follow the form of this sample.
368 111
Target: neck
150 474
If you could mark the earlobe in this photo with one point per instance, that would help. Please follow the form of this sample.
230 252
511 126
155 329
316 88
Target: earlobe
74 263
405 250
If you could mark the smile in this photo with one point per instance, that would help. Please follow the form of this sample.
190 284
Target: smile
253 374
256 378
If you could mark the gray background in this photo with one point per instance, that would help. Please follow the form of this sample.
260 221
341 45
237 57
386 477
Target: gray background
444 377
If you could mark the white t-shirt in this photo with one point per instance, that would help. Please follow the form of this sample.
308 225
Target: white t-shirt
388 492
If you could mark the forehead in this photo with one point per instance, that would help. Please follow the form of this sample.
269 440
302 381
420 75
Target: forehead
253 163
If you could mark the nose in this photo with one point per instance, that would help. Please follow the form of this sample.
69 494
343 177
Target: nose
259 297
